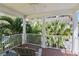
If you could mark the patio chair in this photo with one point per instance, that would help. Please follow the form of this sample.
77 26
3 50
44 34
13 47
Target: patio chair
25 51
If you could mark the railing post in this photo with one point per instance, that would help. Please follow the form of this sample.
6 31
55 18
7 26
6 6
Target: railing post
24 38
3 44
43 37
75 34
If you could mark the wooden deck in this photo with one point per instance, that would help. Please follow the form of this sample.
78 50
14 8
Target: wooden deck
56 52
49 51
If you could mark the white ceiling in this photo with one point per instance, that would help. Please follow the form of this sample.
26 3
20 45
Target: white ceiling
41 9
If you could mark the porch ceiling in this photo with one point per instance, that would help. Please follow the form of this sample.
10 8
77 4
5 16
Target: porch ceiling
43 9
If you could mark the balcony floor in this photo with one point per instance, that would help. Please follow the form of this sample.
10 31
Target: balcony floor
49 51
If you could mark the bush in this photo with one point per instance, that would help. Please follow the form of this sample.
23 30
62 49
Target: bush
57 33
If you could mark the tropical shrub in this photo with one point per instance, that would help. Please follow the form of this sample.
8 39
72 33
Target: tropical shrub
57 32
34 33
36 27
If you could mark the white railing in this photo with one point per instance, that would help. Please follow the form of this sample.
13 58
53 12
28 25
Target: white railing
59 41
14 40
1 49
34 38
11 41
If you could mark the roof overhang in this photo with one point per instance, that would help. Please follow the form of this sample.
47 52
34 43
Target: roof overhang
39 9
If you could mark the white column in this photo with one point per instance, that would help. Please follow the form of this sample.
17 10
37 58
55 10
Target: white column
75 34
43 37
24 38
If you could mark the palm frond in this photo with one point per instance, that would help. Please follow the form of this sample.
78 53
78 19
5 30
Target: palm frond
5 25
8 19
17 24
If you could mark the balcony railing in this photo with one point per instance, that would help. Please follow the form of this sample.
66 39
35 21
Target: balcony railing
56 41
59 41
34 38
11 41
1 49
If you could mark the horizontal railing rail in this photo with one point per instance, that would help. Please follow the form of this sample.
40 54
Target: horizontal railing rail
56 41
11 41
34 38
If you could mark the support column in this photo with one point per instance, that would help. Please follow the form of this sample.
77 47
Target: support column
43 37
75 34
24 37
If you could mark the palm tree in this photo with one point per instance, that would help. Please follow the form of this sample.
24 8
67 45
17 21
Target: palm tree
13 26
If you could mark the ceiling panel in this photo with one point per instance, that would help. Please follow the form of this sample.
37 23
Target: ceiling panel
41 8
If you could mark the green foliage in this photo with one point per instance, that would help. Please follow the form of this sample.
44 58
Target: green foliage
17 28
28 28
57 28
13 26
56 33
36 27
34 39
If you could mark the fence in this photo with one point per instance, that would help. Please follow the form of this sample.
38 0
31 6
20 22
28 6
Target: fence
56 41
34 38
11 41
